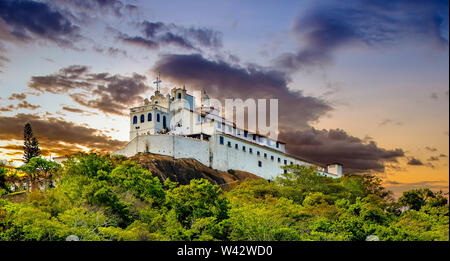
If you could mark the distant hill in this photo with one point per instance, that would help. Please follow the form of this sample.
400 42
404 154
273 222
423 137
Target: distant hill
183 170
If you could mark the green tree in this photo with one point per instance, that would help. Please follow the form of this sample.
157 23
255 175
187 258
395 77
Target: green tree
417 198
199 199
39 169
31 145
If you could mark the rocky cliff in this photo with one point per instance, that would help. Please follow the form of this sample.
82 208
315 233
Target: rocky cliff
183 170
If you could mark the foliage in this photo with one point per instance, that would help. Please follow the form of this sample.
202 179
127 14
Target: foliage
111 198
38 168
4 188
31 144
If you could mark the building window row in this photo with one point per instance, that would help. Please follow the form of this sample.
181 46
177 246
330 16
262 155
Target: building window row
142 118
234 131
250 150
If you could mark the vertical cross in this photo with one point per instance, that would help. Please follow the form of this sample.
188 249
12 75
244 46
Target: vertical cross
157 82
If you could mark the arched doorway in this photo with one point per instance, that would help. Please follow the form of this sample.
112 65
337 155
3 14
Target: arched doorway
164 122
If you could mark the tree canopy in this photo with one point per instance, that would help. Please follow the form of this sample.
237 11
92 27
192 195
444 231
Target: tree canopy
111 198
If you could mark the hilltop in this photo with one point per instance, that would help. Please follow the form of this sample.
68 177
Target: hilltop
184 170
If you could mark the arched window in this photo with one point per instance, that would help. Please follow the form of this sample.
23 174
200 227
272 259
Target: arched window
157 117
142 118
149 117
134 119
179 96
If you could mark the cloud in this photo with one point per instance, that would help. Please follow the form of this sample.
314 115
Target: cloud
111 94
399 187
97 7
389 121
223 80
296 111
21 105
24 21
433 158
157 34
57 135
434 96
27 105
430 149
414 162
74 110
7 108
336 145
328 26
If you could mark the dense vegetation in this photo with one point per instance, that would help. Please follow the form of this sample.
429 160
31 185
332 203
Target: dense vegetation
110 198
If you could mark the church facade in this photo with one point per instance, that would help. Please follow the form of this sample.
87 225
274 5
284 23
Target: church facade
171 125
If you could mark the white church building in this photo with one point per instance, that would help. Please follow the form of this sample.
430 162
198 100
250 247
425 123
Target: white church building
171 125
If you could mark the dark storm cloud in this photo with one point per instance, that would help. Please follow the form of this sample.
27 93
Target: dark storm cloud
97 7
414 162
108 93
223 80
328 26
56 134
28 20
157 34
296 111
335 145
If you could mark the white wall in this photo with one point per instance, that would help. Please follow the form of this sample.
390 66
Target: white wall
168 145
224 157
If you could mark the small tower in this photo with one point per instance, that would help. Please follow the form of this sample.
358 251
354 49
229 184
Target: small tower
335 169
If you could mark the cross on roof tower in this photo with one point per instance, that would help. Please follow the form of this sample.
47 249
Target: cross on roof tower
157 82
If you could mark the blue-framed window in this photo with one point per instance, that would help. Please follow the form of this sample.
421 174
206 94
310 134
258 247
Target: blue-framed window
245 134
259 163
221 140
135 120
149 116
142 118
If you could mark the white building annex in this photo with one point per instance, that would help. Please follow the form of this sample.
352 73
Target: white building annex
171 125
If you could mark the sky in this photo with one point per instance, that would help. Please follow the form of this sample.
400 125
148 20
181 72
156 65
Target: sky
364 83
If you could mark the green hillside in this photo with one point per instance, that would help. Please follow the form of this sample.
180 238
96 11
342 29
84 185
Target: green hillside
95 197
